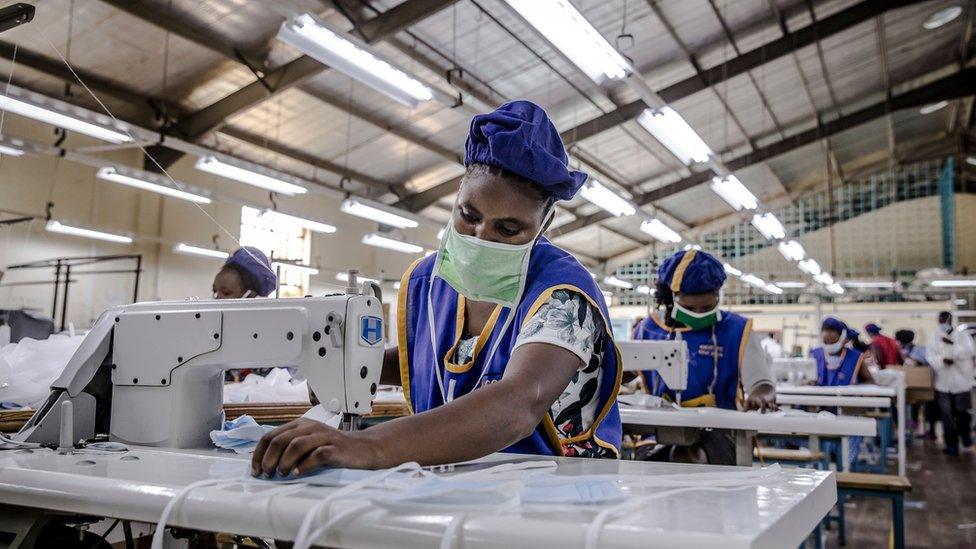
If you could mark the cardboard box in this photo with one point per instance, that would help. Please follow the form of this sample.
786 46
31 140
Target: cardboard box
918 383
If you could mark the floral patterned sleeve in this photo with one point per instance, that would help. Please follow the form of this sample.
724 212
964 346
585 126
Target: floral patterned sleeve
568 320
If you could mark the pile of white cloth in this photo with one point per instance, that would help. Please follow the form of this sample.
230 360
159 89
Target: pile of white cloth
277 386
28 367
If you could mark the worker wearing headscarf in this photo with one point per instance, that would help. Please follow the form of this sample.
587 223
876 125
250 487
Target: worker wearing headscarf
838 363
247 273
726 359
885 350
504 339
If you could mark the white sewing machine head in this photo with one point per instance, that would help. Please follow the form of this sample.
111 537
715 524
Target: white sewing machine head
152 373
794 370
668 357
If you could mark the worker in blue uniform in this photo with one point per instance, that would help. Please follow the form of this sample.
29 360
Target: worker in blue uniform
838 362
504 339
727 368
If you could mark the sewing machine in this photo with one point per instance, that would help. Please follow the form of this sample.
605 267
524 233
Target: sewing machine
151 374
668 357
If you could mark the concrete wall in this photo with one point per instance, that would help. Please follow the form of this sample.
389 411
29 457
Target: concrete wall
27 183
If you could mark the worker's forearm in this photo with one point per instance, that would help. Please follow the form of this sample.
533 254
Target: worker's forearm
486 420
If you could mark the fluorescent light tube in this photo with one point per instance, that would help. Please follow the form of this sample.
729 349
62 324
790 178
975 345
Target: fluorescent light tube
809 266
344 277
618 282
734 193
380 241
600 195
731 270
773 289
607 296
688 247
310 224
824 278
379 213
954 283
10 151
144 181
869 284
187 249
941 17
57 227
769 226
644 289
753 280
931 108
566 29
791 284
835 288
971 160
305 269
660 231
252 175
334 48
792 250
63 115
667 126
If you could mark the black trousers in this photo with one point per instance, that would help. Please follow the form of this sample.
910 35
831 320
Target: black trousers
955 417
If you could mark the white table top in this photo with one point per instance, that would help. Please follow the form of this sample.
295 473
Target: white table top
831 400
839 390
137 485
718 418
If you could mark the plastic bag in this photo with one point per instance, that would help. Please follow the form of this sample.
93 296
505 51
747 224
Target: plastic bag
277 386
30 366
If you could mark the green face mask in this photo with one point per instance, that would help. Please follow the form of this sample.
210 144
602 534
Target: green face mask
481 270
693 320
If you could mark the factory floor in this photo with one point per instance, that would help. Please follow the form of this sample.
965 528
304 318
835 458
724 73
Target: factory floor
940 511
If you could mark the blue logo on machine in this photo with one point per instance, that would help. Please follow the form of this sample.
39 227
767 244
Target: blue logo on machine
371 329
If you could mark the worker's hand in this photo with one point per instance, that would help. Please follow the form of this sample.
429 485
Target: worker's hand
762 398
303 445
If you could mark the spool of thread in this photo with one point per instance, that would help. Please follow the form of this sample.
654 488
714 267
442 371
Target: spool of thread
66 439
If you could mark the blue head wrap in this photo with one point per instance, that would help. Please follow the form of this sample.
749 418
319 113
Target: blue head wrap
692 272
253 262
836 325
872 328
520 138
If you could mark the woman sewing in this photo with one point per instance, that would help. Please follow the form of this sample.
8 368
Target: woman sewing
727 365
504 338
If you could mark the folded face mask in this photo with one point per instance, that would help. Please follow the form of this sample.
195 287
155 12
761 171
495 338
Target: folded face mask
240 435
570 490
437 494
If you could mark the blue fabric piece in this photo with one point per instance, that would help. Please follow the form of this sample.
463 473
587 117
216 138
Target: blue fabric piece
241 435
254 262
730 333
703 274
549 266
520 138
572 490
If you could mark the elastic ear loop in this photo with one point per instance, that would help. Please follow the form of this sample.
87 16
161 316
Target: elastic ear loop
303 540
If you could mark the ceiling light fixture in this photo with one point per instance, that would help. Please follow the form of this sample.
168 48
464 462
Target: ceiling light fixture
188 249
734 193
753 280
304 269
380 241
954 283
668 127
824 278
942 17
63 115
252 174
310 224
809 266
566 29
333 47
344 277
773 289
657 229
149 182
931 108
769 226
618 282
58 227
601 196
790 284
731 270
791 250
645 289
380 213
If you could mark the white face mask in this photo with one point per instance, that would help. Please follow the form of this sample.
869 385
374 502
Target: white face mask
945 328
834 348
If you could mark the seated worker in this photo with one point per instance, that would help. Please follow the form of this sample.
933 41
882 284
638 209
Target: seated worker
504 339
726 358
883 348
247 273
838 364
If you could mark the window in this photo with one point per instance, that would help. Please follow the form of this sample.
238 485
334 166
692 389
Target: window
280 241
